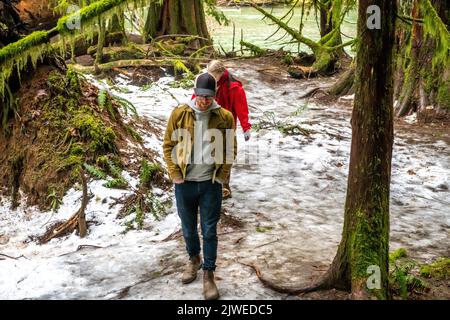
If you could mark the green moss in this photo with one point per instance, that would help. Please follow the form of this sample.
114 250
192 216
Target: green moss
76 149
368 241
86 14
443 95
35 45
397 254
102 162
254 49
18 54
439 269
366 245
92 129
73 83
71 161
17 48
263 229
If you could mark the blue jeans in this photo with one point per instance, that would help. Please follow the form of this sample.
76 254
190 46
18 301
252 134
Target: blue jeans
190 196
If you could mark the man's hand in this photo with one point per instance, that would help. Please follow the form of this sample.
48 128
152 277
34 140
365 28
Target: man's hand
247 135
178 181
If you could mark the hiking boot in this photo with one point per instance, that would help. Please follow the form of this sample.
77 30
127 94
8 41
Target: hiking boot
192 267
210 291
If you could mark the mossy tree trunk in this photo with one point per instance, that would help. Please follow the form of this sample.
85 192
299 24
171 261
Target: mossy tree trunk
330 19
365 238
117 25
328 50
423 82
177 17
100 41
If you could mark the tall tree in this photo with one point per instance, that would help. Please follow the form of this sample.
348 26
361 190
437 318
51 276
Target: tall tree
362 260
365 237
175 17
423 62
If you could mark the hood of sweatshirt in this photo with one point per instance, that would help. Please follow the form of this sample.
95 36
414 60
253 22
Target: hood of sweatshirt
191 103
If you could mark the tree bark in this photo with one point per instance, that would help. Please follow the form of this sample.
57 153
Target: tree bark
178 17
421 84
365 236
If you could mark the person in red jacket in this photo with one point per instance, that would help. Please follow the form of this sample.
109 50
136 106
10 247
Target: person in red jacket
231 96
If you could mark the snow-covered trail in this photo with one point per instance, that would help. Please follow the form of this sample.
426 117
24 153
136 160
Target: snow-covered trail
285 216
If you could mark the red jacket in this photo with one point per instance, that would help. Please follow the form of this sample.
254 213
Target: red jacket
231 96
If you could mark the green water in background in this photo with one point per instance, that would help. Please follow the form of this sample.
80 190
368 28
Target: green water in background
256 30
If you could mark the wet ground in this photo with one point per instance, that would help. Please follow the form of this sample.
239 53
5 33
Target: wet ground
285 216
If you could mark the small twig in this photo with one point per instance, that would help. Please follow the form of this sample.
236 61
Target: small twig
434 199
14 258
265 244
83 246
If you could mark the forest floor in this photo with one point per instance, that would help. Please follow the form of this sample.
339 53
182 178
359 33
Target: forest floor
285 215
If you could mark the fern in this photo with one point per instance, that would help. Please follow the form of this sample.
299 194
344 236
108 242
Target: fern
147 171
102 99
55 201
119 183
126 105
110 109
156 208
136 136
94 171
115 171
139 217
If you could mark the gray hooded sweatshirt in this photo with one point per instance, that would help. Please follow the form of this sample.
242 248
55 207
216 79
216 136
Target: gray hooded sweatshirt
202 164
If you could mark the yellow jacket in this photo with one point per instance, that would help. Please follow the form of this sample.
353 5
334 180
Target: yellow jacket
183 117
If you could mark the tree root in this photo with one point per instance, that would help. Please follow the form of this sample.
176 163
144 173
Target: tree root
312 92
77 220
322 284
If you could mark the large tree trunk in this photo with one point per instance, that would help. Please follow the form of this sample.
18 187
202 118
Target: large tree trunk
175 17
421 84
365 238
330 19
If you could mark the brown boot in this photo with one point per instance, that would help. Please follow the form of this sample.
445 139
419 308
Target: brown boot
192 267
210 291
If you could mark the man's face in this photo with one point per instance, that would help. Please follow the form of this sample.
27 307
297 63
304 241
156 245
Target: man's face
204 102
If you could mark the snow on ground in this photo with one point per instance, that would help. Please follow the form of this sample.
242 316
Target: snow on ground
288 191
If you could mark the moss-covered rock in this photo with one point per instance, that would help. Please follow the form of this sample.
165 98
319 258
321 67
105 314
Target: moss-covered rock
397 254
439 269
91 129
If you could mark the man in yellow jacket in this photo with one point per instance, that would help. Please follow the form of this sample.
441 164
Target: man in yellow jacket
199 149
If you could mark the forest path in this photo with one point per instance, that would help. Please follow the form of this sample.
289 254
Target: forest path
285 216
289 192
